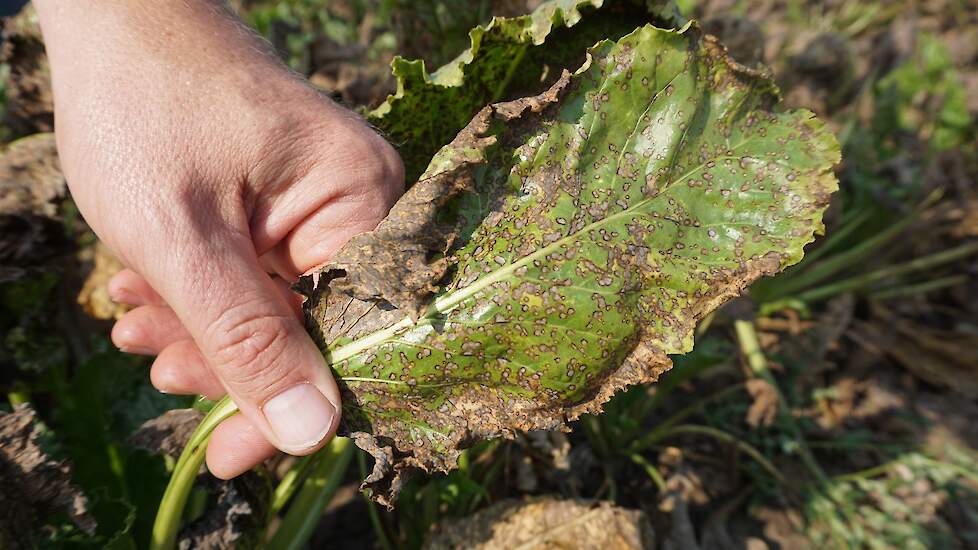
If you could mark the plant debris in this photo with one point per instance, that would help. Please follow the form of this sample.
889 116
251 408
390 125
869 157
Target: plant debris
31 187
94 296
167 433
32 484
236 518
29 99
548 523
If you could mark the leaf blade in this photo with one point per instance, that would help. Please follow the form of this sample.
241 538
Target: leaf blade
591 227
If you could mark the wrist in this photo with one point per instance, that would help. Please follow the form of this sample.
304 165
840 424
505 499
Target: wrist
96 38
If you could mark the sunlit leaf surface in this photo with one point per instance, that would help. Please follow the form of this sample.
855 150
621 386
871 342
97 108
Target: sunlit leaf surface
563 245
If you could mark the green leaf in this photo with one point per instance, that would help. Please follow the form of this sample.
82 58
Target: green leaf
96 411
562 245
925 95
506 58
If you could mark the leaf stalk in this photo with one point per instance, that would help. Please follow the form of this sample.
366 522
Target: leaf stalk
174 500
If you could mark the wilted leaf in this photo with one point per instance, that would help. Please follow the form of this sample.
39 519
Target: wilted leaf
94 295
32 484
583 233
764 403
235 520
507 58
167 433
31 185
548 523
27 85
31 182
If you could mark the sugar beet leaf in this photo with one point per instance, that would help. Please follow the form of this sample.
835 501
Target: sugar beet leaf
557 250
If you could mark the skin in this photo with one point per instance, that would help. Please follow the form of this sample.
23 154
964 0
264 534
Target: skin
216 176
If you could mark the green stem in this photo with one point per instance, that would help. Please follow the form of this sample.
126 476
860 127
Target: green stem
500 90
867 473
181 481
893 447
290 482
592 430
595 437
317 490
652 472
741 445
662 429
822 270
860 281
751 348
920 288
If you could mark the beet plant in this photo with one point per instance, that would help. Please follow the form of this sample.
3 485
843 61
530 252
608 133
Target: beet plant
557 250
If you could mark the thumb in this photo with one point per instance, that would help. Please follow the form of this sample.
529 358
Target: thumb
251 338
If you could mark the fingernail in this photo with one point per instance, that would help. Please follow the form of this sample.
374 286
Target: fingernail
300 416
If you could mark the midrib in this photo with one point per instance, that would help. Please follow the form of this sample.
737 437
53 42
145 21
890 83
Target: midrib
448 302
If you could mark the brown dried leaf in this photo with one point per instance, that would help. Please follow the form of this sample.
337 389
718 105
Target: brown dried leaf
394 263
31 186
235 520
546 524
764 405
167 433
30 102
94 295
32 484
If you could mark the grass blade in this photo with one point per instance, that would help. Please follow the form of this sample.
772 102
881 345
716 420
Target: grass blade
318 489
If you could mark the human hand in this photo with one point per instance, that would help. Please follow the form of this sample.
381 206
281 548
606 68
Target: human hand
205 165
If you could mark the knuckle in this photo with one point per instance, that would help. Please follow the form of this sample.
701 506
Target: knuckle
373 205
394 173
374 161
379 179
373 174
247 351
